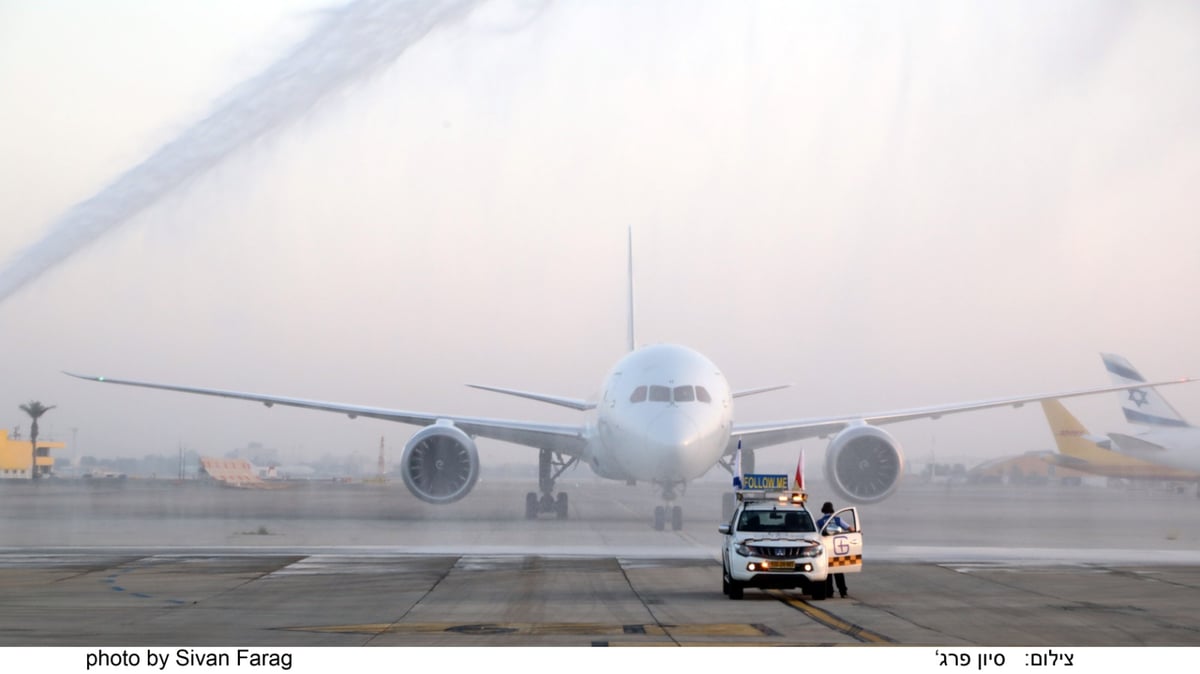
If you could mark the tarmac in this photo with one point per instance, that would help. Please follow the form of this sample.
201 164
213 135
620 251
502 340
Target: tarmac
320 564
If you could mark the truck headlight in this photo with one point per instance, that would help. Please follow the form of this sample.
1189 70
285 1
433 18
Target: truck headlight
812 551
742 550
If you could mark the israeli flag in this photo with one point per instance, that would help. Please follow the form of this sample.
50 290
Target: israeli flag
737 467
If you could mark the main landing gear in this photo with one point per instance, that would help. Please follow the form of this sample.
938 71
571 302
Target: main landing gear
551 464
662 512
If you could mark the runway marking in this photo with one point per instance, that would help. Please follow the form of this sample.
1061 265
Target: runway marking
717 644
756 630
1030 567
831 621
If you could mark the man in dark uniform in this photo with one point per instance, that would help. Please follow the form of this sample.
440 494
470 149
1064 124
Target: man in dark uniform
836 526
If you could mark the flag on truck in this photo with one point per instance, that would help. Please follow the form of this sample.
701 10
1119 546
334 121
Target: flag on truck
737 467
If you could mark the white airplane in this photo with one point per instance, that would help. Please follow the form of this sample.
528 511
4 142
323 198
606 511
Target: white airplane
1170 440
664 416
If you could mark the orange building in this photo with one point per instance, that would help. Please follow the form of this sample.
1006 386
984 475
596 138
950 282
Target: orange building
14 457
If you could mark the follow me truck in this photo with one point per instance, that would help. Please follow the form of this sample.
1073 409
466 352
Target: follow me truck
772 541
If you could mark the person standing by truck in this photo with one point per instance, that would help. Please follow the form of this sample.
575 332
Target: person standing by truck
836 526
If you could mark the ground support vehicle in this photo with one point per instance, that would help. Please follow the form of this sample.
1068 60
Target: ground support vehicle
772 541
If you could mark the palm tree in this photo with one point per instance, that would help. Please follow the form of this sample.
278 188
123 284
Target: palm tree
35 409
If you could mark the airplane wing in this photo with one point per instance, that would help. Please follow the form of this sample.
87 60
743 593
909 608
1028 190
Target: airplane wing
573 403
757 435
562 438
756 391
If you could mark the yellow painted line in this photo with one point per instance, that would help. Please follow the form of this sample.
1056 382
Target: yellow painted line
545 629
371 628
831 621
717 644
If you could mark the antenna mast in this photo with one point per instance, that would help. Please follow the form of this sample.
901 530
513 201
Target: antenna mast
380 468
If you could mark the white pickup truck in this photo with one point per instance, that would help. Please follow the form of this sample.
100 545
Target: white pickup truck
772 541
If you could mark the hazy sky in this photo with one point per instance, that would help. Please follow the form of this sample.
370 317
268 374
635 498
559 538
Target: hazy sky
887 206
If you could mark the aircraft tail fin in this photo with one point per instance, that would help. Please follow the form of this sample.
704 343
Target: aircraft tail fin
1071 437
1142 406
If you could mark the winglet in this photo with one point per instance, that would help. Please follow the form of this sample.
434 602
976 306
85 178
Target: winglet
83 376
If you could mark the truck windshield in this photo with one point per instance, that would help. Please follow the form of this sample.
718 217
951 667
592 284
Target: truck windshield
765 521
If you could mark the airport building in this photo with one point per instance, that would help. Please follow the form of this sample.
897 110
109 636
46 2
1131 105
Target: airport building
1032 468
15 457
238 473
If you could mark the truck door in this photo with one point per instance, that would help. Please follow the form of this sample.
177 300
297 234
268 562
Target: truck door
843 545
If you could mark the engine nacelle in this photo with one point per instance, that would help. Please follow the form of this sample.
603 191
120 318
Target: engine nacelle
863 464
440 464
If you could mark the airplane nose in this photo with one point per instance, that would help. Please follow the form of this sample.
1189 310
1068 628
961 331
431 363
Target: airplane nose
671 436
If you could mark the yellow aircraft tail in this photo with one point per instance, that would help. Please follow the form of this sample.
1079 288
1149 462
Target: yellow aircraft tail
1077 450
1072 438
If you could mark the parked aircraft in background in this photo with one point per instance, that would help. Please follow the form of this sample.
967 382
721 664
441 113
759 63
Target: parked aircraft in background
1170 440
1093 454
664 416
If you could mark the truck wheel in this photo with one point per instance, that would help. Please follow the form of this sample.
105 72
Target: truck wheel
817 590
731 587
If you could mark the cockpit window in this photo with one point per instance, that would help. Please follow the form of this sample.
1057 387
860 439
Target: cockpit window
665 394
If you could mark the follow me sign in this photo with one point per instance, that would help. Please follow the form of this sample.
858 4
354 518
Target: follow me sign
767 482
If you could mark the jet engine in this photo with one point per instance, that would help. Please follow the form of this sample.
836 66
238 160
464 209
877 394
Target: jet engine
440 464
863 464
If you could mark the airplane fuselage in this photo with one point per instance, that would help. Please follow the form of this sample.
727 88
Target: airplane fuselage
1178 447
665 415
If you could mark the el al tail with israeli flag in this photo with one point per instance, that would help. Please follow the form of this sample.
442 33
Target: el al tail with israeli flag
1142 406
800 472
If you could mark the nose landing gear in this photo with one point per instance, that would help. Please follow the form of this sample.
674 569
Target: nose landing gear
660 517
662 512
